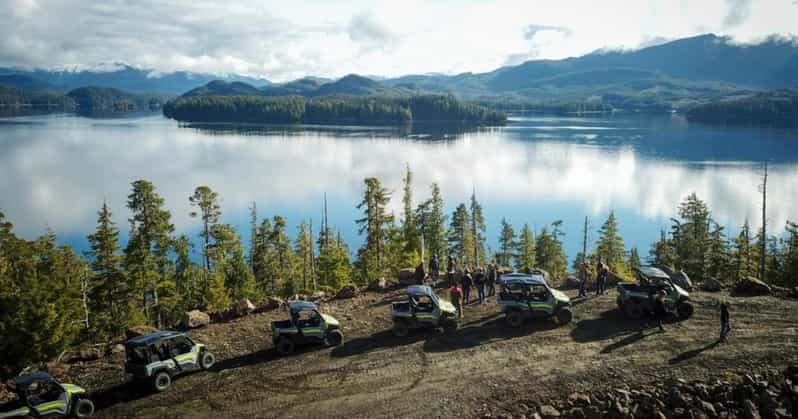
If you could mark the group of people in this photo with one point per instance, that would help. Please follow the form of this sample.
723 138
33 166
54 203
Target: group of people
483 279
602 276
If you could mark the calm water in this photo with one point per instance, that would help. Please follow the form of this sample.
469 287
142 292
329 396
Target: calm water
57 170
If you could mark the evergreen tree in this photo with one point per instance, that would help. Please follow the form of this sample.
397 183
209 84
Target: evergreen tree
303 246
477 230
146 255
609 247
335 270
526 260
691 236
217 300
254 235
410 232
209 212
662 252
507 244
460 238
108 291
189 277
263 258
280 266
550 254
375 225
789 256
431 221
634 259
717 259
744 254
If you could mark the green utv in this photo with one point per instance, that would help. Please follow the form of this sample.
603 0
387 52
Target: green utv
635 298
422 310
306 325
159 356
523 297
39 395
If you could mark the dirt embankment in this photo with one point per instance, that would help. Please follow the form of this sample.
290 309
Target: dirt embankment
484 368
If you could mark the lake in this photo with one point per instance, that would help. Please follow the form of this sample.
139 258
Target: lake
58 169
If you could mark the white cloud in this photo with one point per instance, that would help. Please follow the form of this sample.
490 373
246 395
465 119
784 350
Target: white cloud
284 40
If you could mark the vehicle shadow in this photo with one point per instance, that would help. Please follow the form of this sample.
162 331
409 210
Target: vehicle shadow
380 340
610 324
120 393
628 340
684 356
245 360
495 329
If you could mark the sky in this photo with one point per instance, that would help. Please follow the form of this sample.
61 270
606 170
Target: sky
285 40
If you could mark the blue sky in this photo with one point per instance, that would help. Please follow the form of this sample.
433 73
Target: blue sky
285 40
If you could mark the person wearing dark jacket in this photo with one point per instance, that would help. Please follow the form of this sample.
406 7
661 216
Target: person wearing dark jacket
420 274
450 269
725 326
658 303
493 275
434 269
466 283
479 282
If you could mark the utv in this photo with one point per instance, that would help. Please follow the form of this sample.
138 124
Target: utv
306 325
39 395
159 356
422 310
523 296
635 299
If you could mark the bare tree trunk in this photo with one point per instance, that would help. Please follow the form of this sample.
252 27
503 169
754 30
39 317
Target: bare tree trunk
84 287
763 250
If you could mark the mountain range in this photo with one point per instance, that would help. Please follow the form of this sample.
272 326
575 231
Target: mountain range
676 74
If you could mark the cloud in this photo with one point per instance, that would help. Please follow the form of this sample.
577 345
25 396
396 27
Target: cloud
739 11
532 30
651 41
364 29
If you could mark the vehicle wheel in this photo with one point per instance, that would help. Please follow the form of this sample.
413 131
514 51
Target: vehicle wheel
449 327
684 310
83 409
564 316
207 360
514 319
285 346
400 328
633 309
161 381
335 337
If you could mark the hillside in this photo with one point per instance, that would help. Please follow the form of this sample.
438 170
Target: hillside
27 83
777 108
351 85
484 368
93 99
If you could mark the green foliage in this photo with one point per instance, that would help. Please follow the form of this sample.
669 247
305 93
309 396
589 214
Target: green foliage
778 108
411 235
634 259
526 254
609 247
460 237
507 245
549 252
375 224
477 231
335 271
432 223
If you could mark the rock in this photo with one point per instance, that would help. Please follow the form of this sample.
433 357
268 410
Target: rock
750 410
576 413
142 330
318 296
572 281
711 285
708 408
658 415
752 286
114 349
676 398
681 279
348 291
272 303
768 403
407 276
244 307
697 413
378 285
548 411
195 318
579 398
57 369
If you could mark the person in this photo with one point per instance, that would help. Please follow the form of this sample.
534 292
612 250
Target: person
659 308
456 296
420 274
466 284
601 278
492 276
450 269
434 268
583 283
725 328
479 282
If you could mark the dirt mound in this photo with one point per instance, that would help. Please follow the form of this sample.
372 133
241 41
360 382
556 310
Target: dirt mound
483 368
752 286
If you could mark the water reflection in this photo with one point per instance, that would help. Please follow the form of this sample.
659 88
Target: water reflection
58 170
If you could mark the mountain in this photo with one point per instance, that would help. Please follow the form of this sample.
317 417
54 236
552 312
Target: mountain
351 85
223 88
127 78
777 108
94 99
27 83
356 86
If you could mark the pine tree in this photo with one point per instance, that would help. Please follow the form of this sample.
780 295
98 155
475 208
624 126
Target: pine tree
303 246
217 300
662 252
634 259
507 244
189 277
254 235
146 255
335 270
744 254
108 291
477 230
410 231
691 236
209 212
609 247
526 260
375 225
460 239
550 254
789 256
718 264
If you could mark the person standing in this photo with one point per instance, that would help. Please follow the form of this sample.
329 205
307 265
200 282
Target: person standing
725 326
420 274
492 279
456 296
434 269
466 283
479 282
450 269
659 308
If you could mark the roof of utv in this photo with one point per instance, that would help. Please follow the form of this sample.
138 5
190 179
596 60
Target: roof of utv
652 272
153 337
301 306
526 279
23 381
419 290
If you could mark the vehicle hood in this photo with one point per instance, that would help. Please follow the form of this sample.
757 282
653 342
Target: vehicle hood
682 292
560 296
330 320
446 306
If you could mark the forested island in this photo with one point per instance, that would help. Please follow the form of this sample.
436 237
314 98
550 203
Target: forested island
369 110
777 108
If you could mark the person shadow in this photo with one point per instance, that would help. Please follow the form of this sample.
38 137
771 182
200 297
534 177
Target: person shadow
684 356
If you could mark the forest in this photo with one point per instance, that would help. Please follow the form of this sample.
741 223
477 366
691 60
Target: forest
52 298
778 108
369 110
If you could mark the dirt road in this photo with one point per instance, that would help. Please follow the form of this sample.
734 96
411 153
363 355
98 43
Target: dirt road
484 365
